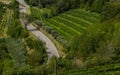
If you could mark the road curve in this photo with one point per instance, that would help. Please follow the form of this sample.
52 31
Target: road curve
51 48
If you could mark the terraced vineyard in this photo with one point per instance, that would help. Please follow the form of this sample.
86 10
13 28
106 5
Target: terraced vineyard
6 20
111 69
72 23
66 26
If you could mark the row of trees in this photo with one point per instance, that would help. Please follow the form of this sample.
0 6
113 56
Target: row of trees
56 6
53 32
41 3
59 6
108 8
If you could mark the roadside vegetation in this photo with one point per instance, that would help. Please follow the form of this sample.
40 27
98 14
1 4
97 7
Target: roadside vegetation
88 30
20 51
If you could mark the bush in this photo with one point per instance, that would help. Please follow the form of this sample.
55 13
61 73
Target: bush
38 56
111 9
14 30
24 34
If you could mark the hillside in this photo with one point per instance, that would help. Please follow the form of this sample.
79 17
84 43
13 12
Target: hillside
86 34
19 49
72 23
67 25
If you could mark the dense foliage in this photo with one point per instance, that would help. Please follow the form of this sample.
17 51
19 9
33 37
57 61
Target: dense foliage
18 49
2 10
12 55
91 33
59 6
41 3
98 46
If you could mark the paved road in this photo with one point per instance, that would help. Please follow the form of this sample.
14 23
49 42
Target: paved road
22 2
51 48
22 6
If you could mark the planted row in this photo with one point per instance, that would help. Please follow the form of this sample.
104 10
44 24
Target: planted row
53 32
98 69
87 13
69 29
63 27
69 23
59 30
83 16
75 20
6 20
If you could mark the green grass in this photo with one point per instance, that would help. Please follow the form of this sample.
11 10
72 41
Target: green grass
59 29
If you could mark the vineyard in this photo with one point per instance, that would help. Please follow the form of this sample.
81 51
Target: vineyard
111 69
72 23
66 26
6 20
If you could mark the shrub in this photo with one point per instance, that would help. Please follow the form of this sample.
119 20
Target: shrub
24 34
14 30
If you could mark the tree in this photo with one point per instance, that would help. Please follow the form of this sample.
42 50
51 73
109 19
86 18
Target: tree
111 9
14 30
87 43
17 50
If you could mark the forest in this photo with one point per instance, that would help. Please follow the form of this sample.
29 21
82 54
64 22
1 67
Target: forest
85 32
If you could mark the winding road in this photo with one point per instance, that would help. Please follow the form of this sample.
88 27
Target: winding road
51 48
